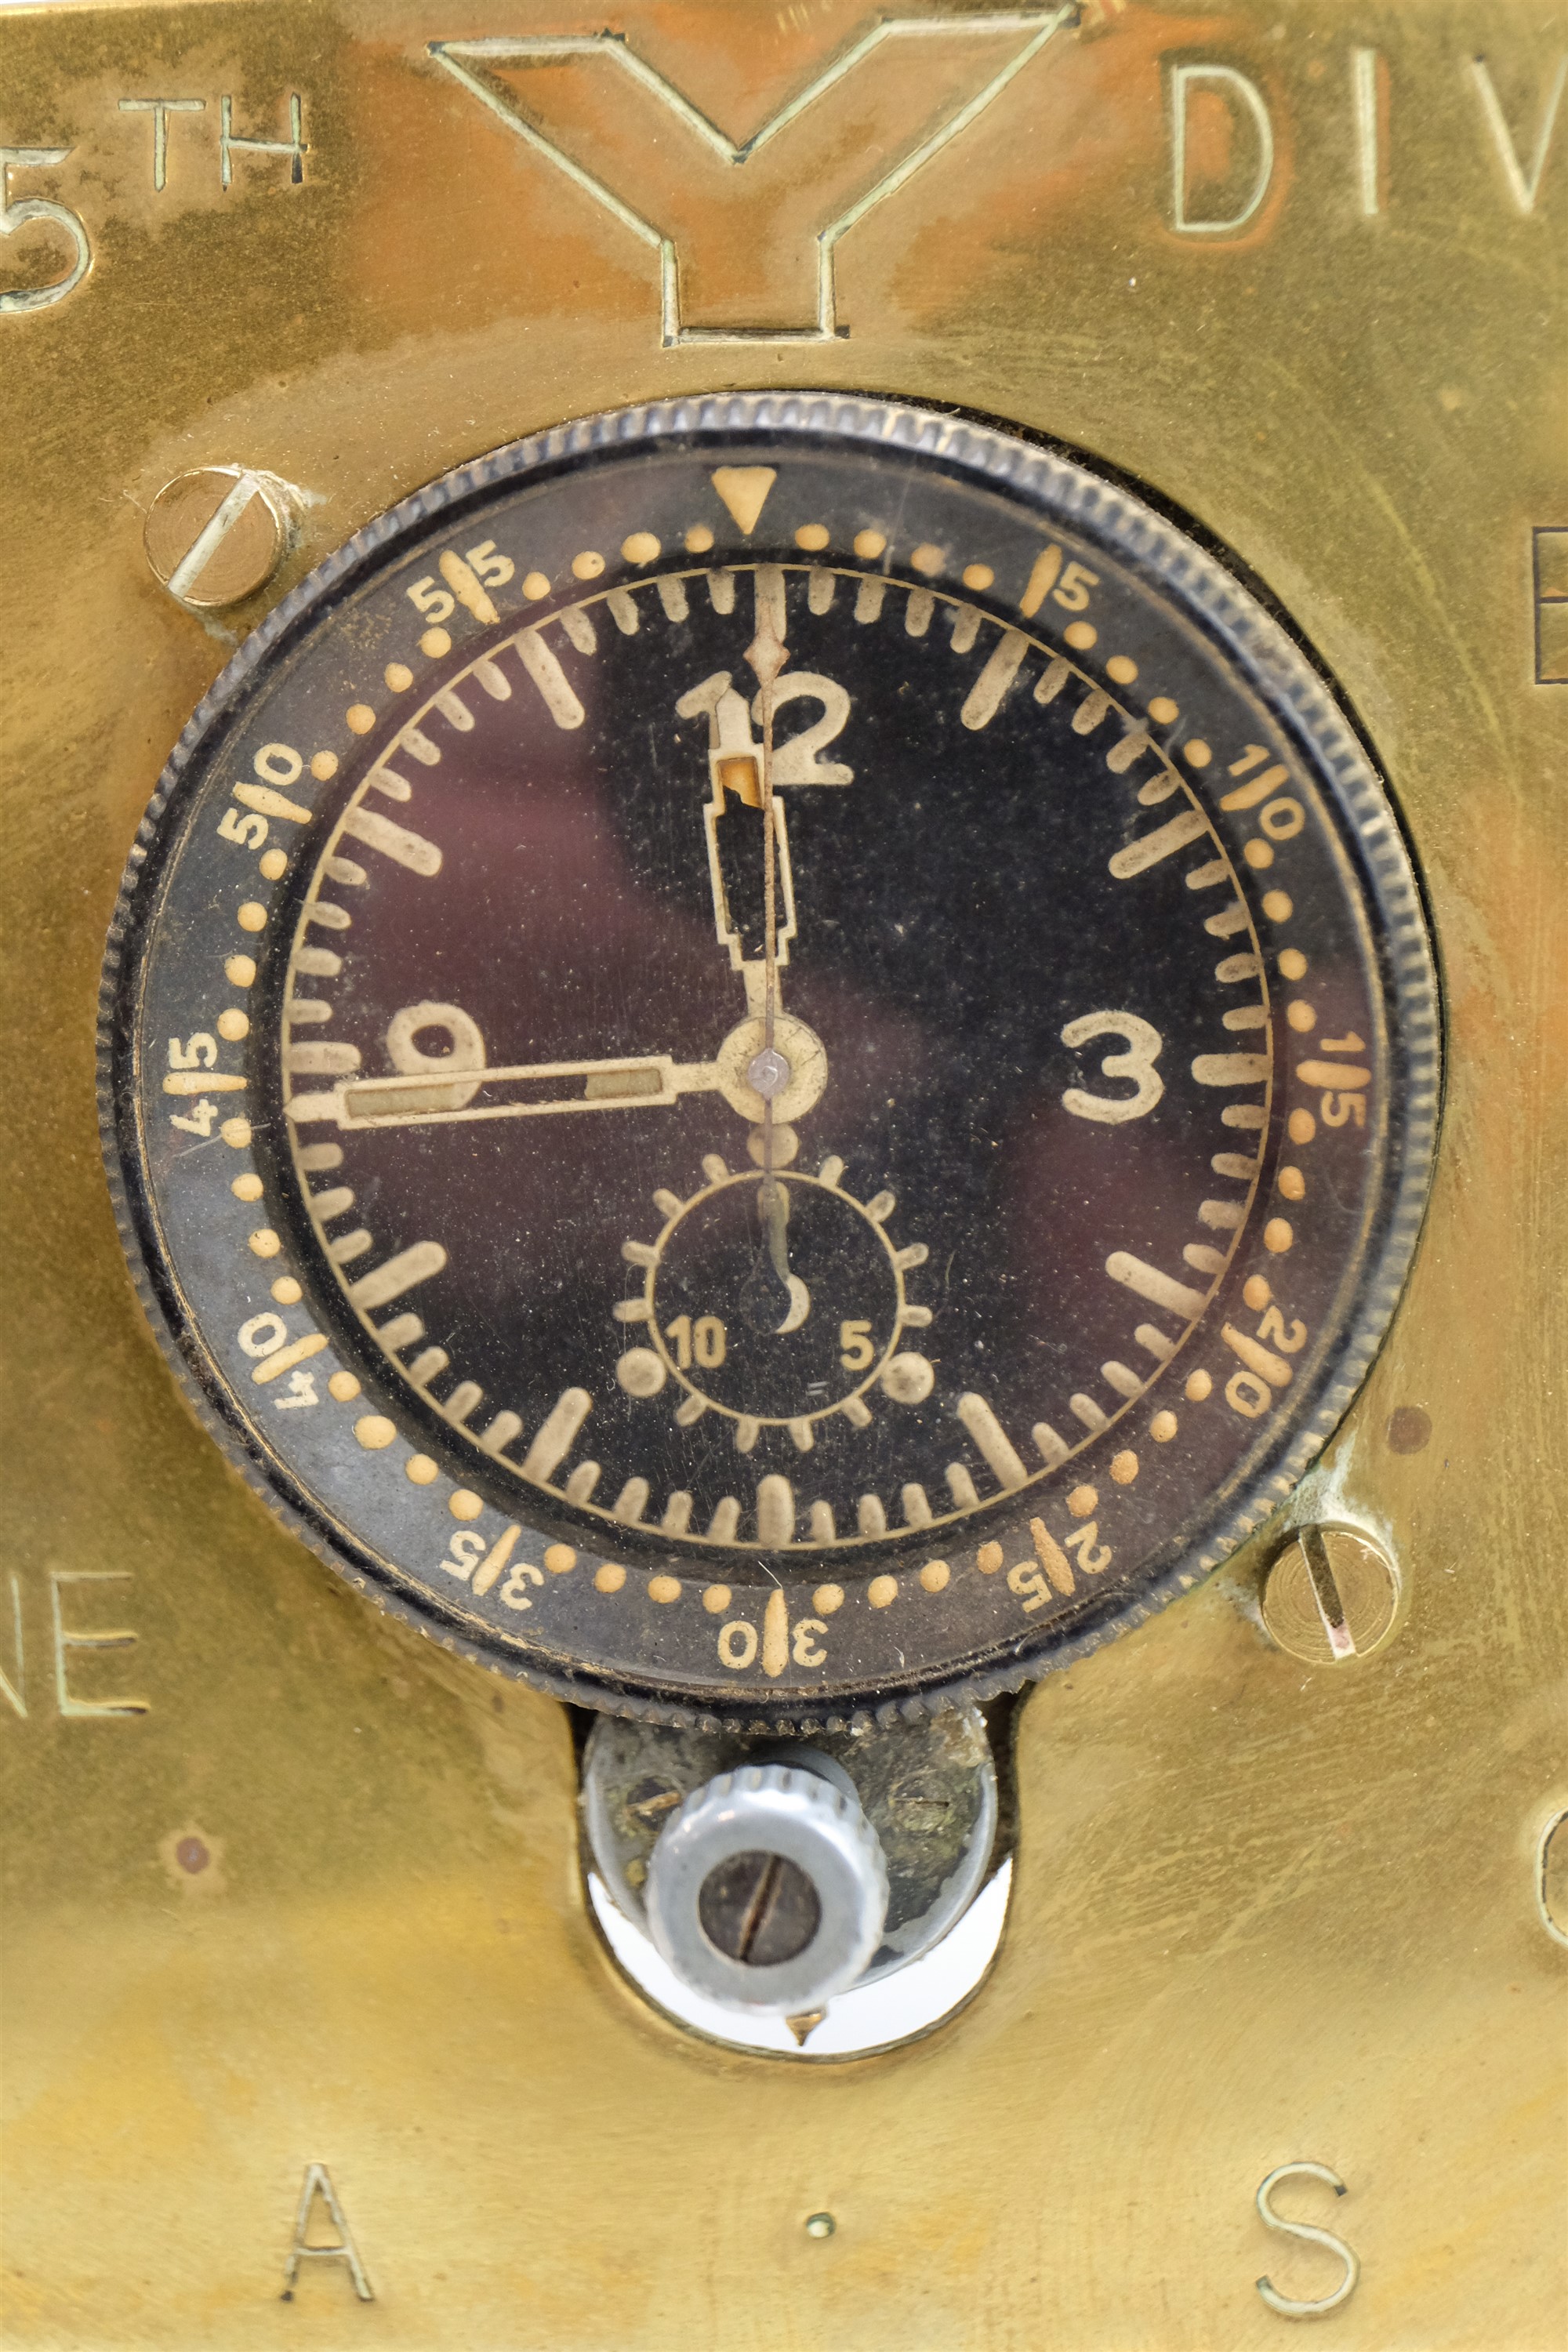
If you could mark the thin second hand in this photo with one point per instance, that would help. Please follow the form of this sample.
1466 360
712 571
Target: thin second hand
767 657
770 936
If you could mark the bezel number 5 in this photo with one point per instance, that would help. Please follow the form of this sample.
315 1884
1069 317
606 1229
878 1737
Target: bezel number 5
433 601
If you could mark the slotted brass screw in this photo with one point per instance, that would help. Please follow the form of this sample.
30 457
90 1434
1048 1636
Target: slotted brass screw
1330 1596
214 536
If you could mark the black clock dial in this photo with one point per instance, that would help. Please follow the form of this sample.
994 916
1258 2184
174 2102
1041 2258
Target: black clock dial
972 916
772 1059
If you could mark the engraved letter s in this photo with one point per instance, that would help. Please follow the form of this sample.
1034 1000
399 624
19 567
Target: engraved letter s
1285 2304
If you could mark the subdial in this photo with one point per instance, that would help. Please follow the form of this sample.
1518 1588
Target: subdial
771 1348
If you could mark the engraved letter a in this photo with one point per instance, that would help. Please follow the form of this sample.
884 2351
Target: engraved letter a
816 167
318 2182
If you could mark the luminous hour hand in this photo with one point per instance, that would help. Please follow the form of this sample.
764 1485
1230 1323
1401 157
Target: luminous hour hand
443 1094
520 1090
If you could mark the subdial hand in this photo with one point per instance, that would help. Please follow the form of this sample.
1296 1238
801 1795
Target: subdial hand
783 1302
769 1073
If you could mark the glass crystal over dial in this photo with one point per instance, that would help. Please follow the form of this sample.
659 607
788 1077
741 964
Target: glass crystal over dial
770 1056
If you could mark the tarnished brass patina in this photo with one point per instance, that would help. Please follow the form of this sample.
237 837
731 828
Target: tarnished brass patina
297 1951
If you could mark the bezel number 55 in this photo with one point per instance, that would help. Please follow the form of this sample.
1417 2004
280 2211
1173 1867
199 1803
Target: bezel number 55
440 603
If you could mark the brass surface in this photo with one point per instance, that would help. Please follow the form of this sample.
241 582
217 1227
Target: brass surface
1262 1913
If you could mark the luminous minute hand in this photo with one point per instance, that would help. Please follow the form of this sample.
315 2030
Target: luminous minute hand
733 816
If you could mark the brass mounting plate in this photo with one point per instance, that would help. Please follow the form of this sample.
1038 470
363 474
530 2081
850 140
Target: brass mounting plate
1264 1914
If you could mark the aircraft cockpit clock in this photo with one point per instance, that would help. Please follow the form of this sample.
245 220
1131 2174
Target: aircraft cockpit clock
830 1065
772 1059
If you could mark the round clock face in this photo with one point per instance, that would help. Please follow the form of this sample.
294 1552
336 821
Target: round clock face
771 1058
